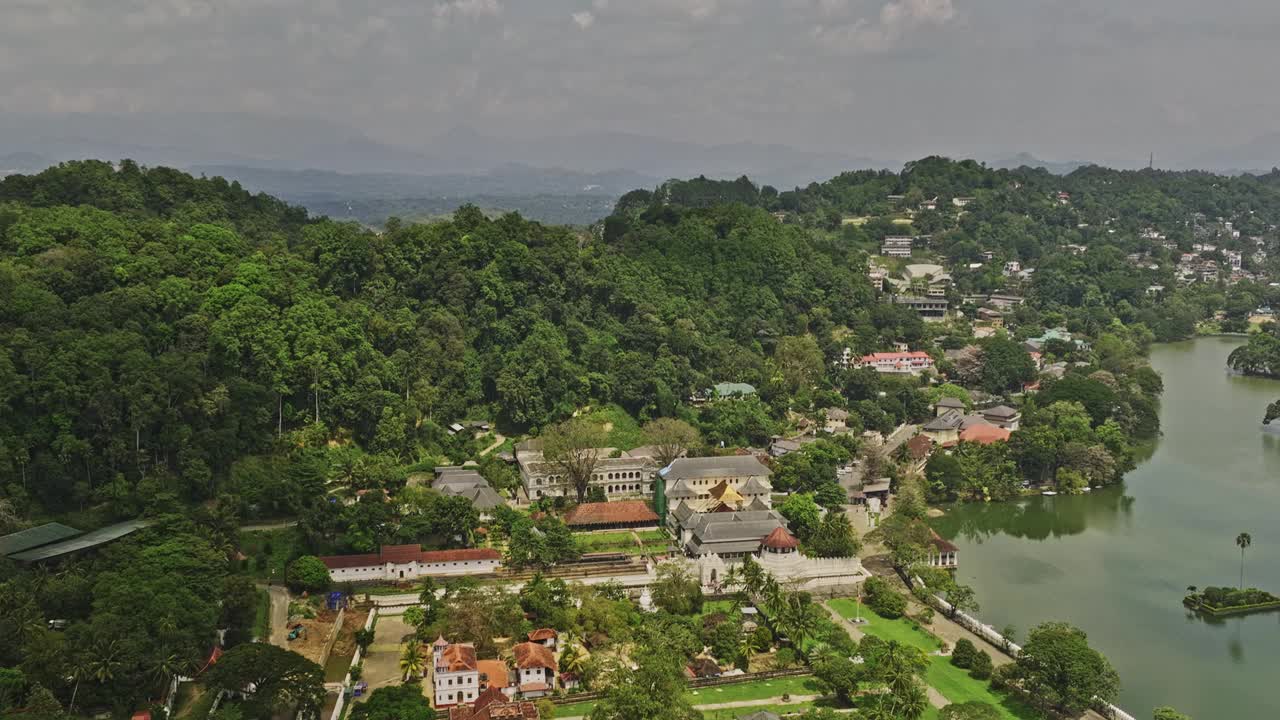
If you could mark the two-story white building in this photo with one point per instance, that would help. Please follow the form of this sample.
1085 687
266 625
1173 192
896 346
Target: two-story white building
630 474
456 676
904 363
409 562
535 669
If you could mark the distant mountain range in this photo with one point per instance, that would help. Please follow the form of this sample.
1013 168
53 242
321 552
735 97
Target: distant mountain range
1023 159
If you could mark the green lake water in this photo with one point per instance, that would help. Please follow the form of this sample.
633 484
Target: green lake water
1117 562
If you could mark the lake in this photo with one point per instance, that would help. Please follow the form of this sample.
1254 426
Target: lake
1117 562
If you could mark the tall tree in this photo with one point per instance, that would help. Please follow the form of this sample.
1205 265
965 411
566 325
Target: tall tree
1243 541
281 680
670 438
1059 669
574 446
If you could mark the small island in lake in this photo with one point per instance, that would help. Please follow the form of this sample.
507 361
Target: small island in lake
1273 413
1230 601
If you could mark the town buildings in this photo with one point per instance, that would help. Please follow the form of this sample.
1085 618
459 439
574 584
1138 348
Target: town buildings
930 309
466 482
897 246
535 669
700 480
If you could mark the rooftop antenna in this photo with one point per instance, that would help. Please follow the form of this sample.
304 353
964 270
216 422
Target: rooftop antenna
1151 162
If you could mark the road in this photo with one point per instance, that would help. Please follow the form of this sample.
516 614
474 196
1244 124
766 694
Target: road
279 615
903 433
268 526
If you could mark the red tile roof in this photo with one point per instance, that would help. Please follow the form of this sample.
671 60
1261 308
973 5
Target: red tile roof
532 655
780 539
405 554
985 434
543 634
610 513
493 673
458 658
435 556
400 554
494 705
919 446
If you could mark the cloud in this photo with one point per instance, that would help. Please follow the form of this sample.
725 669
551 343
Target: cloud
897 20
469 9
584 19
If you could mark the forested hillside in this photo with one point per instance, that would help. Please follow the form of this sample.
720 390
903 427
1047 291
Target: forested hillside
158 329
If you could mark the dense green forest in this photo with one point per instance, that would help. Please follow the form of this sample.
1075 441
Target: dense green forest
159 329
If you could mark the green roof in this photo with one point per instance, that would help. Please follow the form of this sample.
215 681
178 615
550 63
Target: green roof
84 542
35 537
730 389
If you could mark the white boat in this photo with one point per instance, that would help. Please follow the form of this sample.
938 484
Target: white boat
1049 493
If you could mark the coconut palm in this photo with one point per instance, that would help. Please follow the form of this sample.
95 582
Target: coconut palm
573 660
104 661
748 645
1243 540
411 660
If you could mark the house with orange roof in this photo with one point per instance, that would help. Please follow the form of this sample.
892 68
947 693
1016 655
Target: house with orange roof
985 434
494 674
545 637
535 669
492 704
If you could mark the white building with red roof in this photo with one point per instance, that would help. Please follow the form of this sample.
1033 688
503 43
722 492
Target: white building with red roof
535 669
456 679
902 363
409 562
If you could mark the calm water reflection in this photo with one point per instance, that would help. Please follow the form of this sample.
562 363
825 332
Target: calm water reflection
1116 562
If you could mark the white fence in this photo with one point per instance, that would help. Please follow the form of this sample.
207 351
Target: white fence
355 660
1012 649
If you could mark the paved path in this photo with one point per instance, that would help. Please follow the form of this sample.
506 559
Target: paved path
268 526
279 615
497 443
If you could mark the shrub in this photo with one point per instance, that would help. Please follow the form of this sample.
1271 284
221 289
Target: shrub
882 599
981 667
963 655
308 574
925 616
784 658
1003 677
972 710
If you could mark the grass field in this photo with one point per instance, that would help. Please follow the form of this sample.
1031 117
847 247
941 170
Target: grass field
654 542
624 431
954 683
262 616
269 550
758 690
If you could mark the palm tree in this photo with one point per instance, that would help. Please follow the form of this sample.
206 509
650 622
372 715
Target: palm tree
1243 540
573 660
411 660
104 662
748 646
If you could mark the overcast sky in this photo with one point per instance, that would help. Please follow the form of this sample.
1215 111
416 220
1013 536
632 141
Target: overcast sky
1108 80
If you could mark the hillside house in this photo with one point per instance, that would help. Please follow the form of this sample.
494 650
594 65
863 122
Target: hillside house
897 246
897 363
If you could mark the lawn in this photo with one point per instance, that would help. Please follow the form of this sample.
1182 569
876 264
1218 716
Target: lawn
270 550
655 542
624 431
262 616
954 683
758 690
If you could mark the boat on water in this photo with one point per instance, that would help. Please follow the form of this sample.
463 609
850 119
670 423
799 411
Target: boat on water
1048 493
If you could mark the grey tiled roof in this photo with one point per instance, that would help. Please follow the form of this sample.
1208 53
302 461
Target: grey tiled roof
755 486
681 490
1000 411
704 467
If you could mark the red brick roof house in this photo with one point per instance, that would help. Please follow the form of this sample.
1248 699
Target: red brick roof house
545 637
617 514
780 541
408 562
535 669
